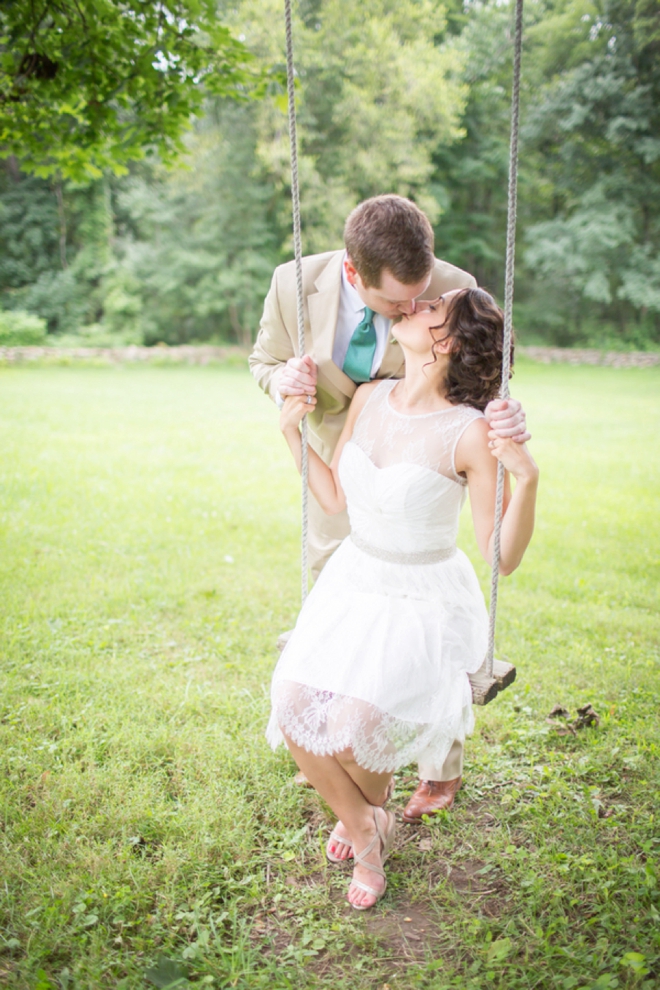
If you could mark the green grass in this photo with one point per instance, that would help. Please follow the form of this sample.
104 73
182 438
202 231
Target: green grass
149 837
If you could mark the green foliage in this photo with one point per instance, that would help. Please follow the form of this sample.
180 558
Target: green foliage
470 177
410 97
19 328
199 243
149 558
34 272
122 304
60 298
29 229
203 241
376 97
90 85
596 126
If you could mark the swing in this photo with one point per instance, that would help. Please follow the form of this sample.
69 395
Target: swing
494 675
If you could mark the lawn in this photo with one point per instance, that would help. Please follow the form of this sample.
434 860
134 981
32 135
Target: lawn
149 837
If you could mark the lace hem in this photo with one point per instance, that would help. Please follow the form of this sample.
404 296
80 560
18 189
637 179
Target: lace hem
325 723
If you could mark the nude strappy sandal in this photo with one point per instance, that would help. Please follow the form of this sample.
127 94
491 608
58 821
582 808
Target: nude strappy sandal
333 837
385 838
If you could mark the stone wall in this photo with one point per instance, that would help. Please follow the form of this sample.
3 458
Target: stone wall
207 354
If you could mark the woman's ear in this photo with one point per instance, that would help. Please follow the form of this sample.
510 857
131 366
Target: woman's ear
445 345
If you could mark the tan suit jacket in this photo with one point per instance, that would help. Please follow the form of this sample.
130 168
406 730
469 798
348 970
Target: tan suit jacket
277 341
278 337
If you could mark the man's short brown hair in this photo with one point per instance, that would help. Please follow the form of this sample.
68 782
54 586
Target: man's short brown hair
389 233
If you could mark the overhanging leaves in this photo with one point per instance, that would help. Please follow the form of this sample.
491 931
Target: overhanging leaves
87 85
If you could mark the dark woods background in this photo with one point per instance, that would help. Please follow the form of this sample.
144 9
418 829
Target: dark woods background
409 96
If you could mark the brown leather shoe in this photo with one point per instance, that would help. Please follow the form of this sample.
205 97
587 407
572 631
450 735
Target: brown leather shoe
431 796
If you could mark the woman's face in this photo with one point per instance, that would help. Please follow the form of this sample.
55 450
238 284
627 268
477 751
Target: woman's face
418 331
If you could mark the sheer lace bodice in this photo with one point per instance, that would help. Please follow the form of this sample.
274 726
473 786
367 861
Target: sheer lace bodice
389 437
399 475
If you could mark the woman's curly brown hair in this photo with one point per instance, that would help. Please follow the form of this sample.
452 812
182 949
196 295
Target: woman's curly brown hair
475 323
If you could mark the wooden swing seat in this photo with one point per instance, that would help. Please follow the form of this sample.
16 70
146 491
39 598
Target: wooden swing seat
485 688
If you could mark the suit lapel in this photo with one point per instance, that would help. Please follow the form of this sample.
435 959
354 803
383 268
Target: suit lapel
393 364
323 307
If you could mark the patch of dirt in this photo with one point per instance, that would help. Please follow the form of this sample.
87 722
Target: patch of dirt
486 891
410 931
269 925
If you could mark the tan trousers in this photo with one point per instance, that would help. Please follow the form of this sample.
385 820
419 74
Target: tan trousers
325 533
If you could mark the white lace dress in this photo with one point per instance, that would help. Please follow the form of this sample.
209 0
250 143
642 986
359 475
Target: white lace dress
379 658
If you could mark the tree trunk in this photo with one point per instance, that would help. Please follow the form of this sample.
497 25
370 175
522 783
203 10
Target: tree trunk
12 167
243 335
62 217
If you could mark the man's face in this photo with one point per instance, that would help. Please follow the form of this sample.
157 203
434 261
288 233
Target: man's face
392 298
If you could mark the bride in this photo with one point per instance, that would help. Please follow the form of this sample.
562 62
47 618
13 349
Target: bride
375 674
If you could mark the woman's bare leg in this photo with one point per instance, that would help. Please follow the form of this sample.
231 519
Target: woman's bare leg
337 788
374 787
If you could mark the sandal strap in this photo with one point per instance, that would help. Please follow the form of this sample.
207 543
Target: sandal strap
379 832
383 838
388 837
333 837
359 858
369 890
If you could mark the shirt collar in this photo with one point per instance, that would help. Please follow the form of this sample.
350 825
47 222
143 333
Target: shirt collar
350 293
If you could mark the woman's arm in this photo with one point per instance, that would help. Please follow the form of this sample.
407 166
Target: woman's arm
323 479
476 457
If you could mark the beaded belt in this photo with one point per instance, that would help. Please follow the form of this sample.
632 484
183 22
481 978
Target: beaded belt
394 557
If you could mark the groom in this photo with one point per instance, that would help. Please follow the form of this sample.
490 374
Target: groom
351 297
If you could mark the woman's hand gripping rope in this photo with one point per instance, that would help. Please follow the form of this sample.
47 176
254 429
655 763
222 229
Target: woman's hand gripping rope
293 410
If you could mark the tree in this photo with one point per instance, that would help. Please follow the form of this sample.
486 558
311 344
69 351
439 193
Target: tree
595 125
470 176
90 85
54 251
376 96
200 243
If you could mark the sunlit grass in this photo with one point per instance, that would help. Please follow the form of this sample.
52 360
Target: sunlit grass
149 560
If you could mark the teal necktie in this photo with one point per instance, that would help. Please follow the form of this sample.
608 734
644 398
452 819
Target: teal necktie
360 354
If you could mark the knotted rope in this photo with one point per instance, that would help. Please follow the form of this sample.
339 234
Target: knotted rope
297 247
508 319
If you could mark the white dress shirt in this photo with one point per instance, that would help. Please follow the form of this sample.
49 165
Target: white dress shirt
349 317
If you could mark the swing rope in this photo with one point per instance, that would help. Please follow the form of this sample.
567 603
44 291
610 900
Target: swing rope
297 247
508 320
508 301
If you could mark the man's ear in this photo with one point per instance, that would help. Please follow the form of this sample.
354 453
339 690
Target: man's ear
351 270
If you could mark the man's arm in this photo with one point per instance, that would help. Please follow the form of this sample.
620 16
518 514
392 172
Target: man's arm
273 346
272 362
